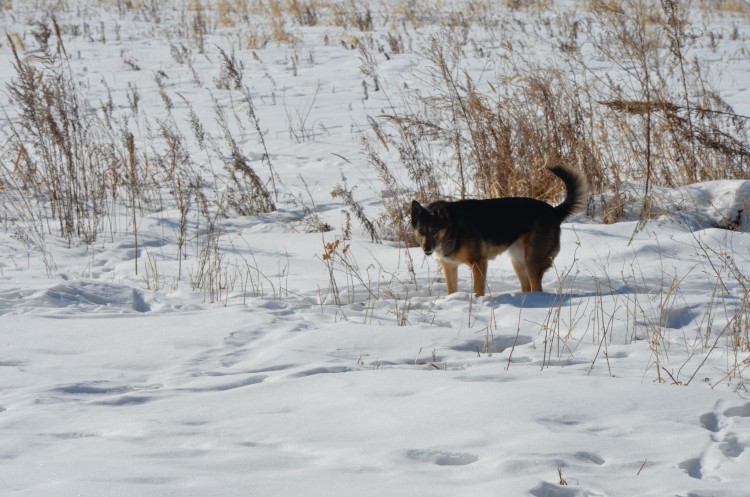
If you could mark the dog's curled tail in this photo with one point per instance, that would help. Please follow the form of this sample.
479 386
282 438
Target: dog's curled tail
577 188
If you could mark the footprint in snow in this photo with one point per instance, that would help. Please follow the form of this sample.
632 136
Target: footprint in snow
322 370
546 489
442 457
498 345
216 383
710 422
73 435
102 388
126 400
732 447
105 393
738 412
692 467
725 445
589 457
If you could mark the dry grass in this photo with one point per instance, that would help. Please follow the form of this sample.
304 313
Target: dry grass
654 120
724 6
76 167
64 160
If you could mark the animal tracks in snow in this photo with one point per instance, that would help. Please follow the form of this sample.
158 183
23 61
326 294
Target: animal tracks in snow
442 457
545 489
729 436
738 412
217 383
589 457
692 467
732 447
710 422
105 393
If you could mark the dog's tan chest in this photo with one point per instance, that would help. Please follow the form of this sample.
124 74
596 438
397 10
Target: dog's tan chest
471 253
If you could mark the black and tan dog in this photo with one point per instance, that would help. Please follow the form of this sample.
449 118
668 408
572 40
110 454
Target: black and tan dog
474 231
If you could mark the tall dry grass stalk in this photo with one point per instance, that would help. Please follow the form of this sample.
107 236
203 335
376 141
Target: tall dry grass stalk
67 165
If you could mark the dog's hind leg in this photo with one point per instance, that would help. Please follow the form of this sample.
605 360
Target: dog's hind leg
479 274
450 271
518 260
535 276
539 259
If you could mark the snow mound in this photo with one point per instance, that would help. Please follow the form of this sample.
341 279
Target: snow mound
75 297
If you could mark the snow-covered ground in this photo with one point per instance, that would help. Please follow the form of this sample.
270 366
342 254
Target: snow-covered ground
304 374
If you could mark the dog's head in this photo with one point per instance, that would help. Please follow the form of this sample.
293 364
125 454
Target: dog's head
429 224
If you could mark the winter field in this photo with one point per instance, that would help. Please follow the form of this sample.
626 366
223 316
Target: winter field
207 286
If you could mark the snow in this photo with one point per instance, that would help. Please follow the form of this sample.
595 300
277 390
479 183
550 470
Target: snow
623 379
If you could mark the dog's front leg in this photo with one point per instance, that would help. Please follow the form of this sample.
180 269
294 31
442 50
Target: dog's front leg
479 273
450 271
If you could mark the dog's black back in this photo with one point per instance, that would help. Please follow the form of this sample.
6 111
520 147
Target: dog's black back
498 221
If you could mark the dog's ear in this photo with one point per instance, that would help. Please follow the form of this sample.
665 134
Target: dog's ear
416 212
440 211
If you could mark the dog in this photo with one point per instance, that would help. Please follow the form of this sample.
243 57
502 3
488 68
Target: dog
473 232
